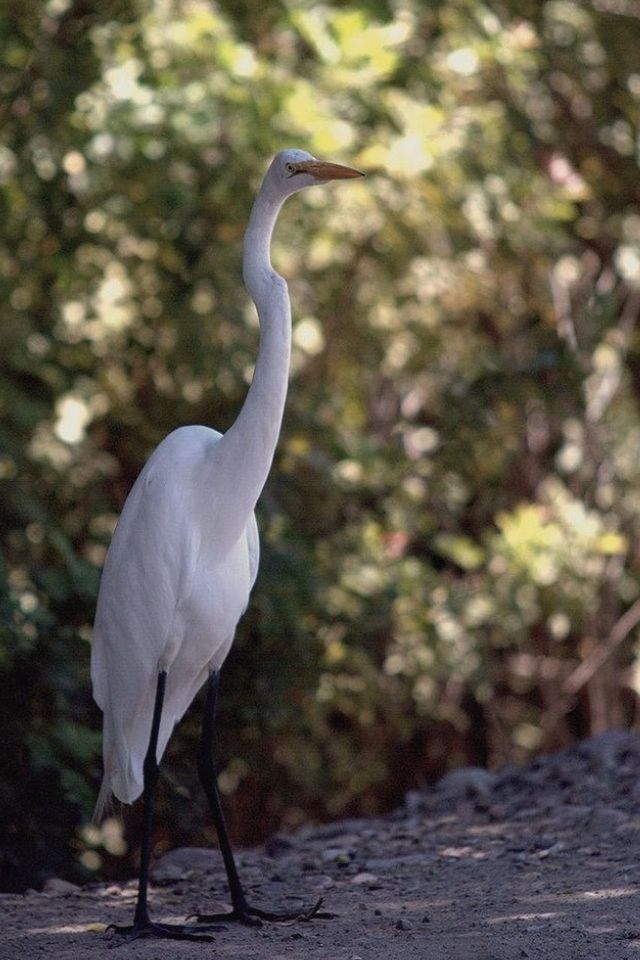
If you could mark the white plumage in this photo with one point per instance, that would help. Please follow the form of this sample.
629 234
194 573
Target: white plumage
169 600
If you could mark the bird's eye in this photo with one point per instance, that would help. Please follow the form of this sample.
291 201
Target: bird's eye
291 169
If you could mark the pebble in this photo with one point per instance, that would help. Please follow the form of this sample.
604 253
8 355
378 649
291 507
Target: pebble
55 887
364 877
182 862
324 882
552 851
467 783
337 854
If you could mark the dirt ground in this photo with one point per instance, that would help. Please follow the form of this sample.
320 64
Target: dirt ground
539 863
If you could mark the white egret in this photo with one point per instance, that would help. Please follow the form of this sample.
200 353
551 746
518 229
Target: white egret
184 558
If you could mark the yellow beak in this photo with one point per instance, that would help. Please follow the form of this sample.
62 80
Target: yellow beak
322 170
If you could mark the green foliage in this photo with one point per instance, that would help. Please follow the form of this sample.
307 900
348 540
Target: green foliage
450 527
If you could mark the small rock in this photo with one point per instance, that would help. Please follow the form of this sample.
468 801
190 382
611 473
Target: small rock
332 853
403 925
182 862
364 877
341 856
55 887
551 851
325 882
469 783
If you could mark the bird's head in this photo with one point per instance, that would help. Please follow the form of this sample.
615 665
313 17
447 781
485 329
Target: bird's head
291 170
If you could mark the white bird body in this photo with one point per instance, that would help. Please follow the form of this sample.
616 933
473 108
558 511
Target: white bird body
184 555
179 599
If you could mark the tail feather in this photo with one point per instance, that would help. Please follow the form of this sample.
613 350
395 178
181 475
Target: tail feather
104 803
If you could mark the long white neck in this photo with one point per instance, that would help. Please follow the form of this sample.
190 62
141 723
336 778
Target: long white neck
248 446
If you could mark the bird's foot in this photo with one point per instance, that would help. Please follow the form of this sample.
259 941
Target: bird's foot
165 931
254 917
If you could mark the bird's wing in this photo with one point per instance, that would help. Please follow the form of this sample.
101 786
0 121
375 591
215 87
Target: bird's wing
253 546
148 566
149 570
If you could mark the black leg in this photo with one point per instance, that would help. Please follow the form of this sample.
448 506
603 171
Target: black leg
142 926
208 773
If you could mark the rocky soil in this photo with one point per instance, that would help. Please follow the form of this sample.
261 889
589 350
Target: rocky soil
533 863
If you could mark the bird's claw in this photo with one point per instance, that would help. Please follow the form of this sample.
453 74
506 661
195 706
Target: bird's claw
166 931
254 916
